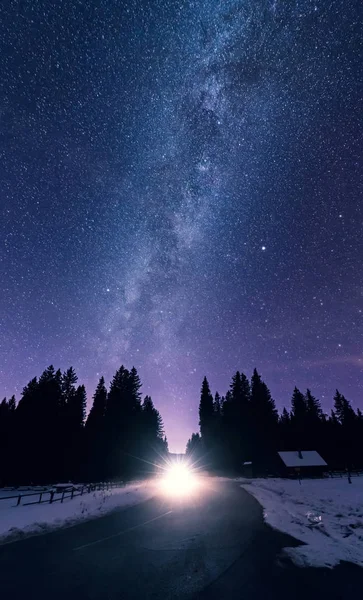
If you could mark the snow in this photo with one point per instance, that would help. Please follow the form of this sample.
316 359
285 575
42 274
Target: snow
309 458
19 521
325 514
65 486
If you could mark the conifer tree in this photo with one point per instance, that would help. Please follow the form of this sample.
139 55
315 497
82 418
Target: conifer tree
194 449
217 405
4 441
347 419
95 434
285 440
206 414
264 421
95 419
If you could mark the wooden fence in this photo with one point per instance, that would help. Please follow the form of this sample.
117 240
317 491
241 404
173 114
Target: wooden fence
346 473
49 496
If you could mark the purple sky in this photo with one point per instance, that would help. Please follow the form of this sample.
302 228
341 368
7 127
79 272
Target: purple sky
181 190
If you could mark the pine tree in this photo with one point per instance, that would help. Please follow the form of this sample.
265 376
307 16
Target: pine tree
206 413
77 409
26 424
285 418
332 436
123 422
135 386
69 380
165 446
226 402
41 426
343 410
264 419
10 436
226 454
359 439
67 425
117 399
194 449
95 419
262 403
68 385
12 405
133 432
299 407
285 430
313 407
76 417
95 434
153 441
216 452
27 401
299 419
217 405
153 424
4 441
347 420
314 434
237 421
239 402
240 389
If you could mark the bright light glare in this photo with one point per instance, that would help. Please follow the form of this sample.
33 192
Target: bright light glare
178 480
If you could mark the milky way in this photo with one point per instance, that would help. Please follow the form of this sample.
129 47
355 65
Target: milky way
181 190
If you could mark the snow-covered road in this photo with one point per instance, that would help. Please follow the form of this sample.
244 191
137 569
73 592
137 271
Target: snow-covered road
18 521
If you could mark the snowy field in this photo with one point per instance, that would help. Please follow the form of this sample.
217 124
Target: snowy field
325 514
19 521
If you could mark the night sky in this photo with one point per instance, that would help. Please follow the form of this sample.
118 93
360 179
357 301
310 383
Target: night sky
181 190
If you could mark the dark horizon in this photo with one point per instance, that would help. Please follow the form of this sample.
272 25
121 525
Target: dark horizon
123 436
327 406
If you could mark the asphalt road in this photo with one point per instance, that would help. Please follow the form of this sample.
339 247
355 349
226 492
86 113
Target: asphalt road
214 546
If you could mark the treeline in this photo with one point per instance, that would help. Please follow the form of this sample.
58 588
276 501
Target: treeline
47 437
244 425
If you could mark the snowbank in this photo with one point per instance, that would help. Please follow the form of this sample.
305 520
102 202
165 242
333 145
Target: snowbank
19 521
325 514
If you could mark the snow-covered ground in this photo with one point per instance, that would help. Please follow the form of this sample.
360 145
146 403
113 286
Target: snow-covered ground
325 514
18 521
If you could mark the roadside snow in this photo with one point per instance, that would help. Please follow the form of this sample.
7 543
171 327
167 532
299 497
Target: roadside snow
18 521
325 514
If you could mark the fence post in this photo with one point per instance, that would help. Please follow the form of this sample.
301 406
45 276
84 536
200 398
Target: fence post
62 497
51 497
72 492
19 500
40 497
